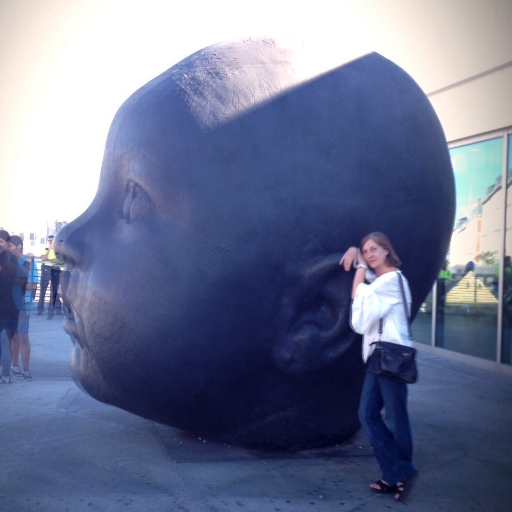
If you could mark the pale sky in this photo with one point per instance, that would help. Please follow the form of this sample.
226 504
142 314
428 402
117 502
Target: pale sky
67 66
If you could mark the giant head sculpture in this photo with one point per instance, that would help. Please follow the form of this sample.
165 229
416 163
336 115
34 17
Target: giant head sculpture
205 288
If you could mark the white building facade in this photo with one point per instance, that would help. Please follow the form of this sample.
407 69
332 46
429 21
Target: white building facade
469 313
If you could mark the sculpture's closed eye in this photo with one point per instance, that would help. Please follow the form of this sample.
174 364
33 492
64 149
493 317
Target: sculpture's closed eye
136 204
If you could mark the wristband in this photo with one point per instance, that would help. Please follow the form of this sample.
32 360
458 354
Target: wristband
359 265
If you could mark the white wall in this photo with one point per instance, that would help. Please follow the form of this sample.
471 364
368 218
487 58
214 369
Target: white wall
477 106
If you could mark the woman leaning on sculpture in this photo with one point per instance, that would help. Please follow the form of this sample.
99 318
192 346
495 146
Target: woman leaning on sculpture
376 294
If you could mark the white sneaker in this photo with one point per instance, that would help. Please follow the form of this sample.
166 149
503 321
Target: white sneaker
5 380
16 372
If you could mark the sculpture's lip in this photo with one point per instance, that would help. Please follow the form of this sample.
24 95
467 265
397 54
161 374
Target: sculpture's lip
70 328
70 325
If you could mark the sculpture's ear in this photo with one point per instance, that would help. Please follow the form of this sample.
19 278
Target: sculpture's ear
314 329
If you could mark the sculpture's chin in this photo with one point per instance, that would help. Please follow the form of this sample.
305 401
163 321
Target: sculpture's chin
74 364
85 374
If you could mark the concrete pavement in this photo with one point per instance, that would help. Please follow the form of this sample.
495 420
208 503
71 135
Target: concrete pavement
63 451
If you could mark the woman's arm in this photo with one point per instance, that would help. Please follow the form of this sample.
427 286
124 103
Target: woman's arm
359 278
372 302
354 258
349 259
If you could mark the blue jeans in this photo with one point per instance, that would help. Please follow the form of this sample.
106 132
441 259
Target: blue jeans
49 275
391 437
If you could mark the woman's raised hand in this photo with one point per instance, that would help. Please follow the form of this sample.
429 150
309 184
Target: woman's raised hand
350 258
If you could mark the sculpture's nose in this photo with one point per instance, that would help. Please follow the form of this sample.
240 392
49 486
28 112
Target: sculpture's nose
68 246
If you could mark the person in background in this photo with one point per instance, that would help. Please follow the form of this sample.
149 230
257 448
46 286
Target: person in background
8 311
65 274
4 235
33 278
20 342
13 279
50 274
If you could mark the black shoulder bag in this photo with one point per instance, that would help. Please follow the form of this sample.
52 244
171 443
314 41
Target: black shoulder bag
392 360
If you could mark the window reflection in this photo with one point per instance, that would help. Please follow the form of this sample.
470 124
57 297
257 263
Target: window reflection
506 352
422 326
467 285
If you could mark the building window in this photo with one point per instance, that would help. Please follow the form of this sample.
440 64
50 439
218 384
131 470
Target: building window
467 287
506 347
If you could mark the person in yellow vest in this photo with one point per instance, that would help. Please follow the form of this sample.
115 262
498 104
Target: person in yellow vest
443 280
446 274
50 274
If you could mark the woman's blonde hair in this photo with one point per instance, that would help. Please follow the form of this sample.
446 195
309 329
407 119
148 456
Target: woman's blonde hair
381 239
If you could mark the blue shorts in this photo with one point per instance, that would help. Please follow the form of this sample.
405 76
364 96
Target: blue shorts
9 324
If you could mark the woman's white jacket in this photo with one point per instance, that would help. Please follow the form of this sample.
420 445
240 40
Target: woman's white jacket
381 298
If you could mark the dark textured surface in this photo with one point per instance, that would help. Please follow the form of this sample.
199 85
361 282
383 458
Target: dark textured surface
205 286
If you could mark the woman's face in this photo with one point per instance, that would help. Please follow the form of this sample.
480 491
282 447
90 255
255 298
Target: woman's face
375 255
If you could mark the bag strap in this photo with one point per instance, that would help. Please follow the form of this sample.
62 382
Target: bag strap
404 302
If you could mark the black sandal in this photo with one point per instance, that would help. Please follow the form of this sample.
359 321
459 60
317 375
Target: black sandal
402 490
384 488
